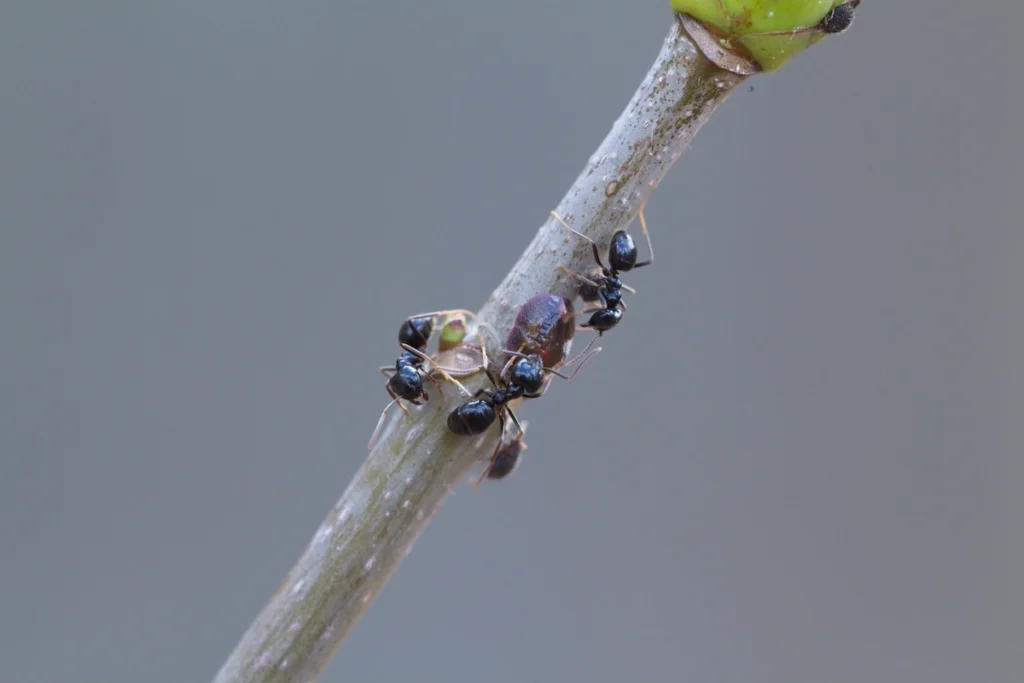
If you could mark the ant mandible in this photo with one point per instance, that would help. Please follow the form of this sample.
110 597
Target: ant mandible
405 379
606 286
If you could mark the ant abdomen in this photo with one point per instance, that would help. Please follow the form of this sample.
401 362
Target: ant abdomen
604 319
472 417
622 253
416 332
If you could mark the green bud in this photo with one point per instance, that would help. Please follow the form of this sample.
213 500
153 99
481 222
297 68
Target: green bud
452 334
769 32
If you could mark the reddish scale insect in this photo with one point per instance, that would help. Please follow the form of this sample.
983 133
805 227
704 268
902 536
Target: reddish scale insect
545 326
538 342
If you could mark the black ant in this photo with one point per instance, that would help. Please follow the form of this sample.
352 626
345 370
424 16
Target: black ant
606 286
405 379
523 376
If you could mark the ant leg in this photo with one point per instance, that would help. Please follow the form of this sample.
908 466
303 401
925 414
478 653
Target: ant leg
485 326
437 367
650 247
577 275
508 365
581 354
584 355
434 314
387 370
494 455
593 244
483 344
515 420
376 430
395 399
578 367
590 328
430 376
491 376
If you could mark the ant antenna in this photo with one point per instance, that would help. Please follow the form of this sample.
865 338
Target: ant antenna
593 244
501 441
440 369
650 247
583 353
575 232
376 430
643 228
553 371
577 275
595 284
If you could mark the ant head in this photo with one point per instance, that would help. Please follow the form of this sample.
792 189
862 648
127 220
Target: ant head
407 382
622 252
840 18
528 373
416 332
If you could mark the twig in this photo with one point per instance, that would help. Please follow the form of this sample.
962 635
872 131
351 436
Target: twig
417 462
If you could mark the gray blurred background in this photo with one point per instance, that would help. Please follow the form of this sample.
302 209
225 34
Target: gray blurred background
798 459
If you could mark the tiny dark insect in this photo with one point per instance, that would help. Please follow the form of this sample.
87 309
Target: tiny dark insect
508 456
605 286
405 379
840 18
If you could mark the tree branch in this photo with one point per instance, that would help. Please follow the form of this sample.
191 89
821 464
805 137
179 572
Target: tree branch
416 462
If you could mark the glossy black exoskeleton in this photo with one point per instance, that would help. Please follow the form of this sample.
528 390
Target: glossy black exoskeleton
604 284
405 378
476 416
524 376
